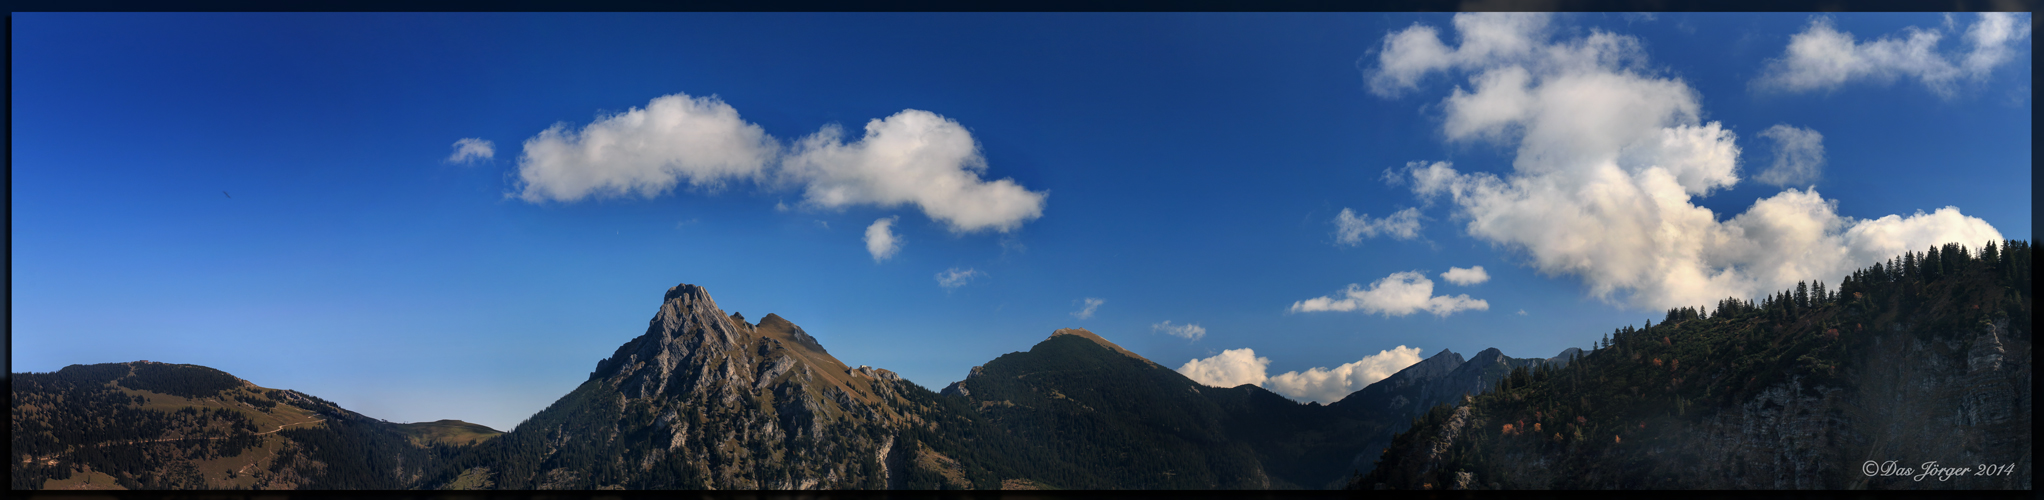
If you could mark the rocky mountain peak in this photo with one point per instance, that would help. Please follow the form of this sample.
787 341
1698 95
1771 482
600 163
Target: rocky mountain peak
1488 356
1439 364
727 397
692 349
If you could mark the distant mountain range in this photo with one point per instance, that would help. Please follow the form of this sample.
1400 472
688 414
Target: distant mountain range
707 400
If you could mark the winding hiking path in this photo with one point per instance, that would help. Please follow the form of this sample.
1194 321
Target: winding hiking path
140 441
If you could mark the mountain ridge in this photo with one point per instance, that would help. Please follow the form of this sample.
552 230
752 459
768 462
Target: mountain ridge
706 400
154 425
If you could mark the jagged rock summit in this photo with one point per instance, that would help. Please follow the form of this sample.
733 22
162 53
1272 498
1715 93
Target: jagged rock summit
704 398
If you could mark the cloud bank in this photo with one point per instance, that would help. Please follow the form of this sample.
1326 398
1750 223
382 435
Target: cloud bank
1823 58
470 149
1608 160
1328 385
880 239
1235 367
1189 331
1399 294
1091 305
1350 229
1230 368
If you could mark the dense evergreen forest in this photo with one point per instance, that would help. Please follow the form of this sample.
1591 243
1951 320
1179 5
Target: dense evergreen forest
1819 369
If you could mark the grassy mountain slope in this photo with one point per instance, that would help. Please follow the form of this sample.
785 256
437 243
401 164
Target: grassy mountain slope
169 426
451 432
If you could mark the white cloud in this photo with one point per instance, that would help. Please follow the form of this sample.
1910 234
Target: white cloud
468 150
1992 39
1823 58
1399 294
955 277
1350 229
880 239
1409 55
645 151
1609 159
1091 305
914 157
1328 385
1522 312
1798 156
1466 277
1188 332
1230 368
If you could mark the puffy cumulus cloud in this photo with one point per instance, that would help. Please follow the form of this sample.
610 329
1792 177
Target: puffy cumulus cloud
1188 331
1328 385
880 239
1409 55
1399 294
1608 161
1230 368
1092 304
1466 277
470 149
1350 229
914 157
955 277
645 151
1798 156
1823 58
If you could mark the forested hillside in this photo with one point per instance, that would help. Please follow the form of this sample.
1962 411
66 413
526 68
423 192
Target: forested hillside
170 426
1922 358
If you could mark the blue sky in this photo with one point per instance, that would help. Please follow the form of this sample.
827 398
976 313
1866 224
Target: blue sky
1182 168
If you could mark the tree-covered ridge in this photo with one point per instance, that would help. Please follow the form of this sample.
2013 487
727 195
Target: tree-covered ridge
147 425
1923 357
1100 418
189 381
1148 427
